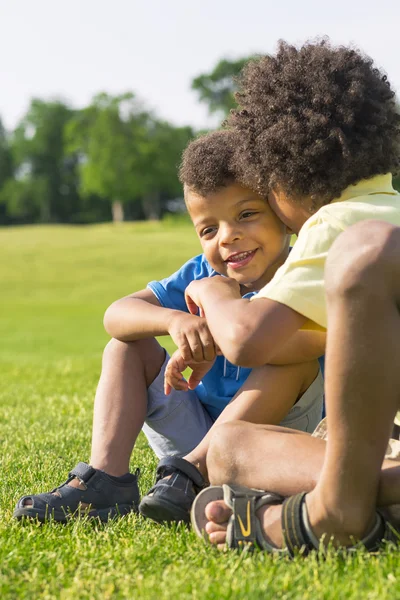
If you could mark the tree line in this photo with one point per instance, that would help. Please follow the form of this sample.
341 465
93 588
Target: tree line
113 159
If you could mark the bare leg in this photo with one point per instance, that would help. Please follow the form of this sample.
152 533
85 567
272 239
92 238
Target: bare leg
121 401
362 377
120 405
363 297
280 460
266 397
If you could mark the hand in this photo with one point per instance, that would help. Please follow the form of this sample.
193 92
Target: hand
197 290
173 378
192 336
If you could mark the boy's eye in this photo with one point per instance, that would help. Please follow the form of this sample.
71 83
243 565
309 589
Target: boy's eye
248 213
207 231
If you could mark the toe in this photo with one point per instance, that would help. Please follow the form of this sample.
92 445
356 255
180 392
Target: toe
213 527
218 512
218 538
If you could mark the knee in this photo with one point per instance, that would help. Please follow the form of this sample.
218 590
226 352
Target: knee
116 351
362 258
223 461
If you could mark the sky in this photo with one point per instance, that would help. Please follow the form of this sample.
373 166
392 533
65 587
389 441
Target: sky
73 50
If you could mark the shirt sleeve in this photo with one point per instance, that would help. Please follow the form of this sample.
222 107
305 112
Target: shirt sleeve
170 292
299 283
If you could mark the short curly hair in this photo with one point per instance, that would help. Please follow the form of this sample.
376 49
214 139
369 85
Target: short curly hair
314 120
208 162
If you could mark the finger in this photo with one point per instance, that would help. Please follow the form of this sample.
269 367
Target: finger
186 353
198 373
191 304
196 347
207 342
173 378
180 386
175 382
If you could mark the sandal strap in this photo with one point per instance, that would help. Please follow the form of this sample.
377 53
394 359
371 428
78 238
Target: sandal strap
299 536
293 529
83 472
244 527
180 464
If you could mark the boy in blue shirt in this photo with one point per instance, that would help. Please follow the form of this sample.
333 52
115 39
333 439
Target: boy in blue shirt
242 239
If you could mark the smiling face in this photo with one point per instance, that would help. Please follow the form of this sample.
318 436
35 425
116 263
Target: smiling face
240 234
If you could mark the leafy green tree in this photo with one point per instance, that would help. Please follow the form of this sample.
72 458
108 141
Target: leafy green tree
6 169
126 154
109 136
218 87
44 187
161 158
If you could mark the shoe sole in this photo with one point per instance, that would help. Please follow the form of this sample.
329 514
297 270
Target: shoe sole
198 513
103 514
163 511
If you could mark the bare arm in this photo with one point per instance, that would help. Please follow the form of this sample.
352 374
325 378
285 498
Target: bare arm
141 316
248 333
303 346
137 316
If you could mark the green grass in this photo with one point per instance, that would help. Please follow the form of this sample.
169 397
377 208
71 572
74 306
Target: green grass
55 284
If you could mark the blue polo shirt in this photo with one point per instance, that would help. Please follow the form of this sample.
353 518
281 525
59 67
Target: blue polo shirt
224 379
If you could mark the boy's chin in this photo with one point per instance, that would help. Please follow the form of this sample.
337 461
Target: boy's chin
245 281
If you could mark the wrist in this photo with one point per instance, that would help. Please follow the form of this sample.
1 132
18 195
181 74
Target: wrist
171 318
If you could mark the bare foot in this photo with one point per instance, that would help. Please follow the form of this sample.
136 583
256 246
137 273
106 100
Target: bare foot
218 514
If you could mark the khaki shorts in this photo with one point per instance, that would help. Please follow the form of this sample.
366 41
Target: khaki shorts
392 451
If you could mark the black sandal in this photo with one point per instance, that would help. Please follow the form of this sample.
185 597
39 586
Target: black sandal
300 538
177 484
244 527
107 498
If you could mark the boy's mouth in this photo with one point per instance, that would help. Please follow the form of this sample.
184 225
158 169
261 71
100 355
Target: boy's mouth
240 259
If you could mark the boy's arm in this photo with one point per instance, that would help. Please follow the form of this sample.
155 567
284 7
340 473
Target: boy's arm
137 316
303 346
140 315
248 333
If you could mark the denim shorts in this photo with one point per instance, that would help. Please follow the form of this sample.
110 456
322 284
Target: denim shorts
177 423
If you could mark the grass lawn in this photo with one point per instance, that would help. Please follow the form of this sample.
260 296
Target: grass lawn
55 284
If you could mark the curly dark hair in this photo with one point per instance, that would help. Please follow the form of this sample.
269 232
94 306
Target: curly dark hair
314 120
208 162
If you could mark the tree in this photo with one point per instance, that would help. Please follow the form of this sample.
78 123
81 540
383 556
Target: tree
6 168
161 158
126 154
108 136
45 183
218 87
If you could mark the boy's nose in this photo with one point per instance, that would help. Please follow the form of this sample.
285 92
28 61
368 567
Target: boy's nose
229 234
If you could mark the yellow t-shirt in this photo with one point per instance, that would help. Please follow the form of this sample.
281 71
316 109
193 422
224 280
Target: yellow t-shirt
299 283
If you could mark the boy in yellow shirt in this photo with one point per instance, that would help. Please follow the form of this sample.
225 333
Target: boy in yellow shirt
320 134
